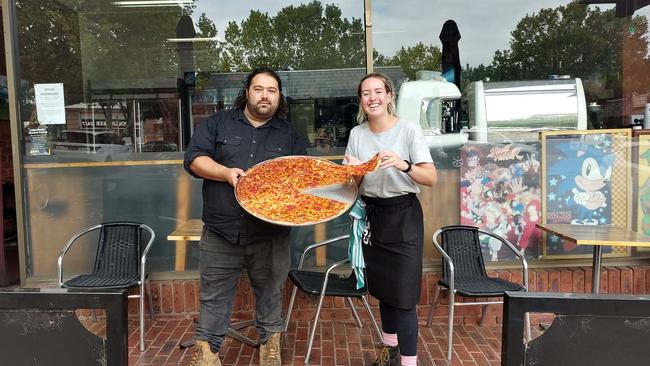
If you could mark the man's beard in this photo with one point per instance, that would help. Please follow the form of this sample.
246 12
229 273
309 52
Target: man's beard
264 111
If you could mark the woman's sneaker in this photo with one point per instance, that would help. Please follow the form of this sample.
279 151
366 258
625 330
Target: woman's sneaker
388 356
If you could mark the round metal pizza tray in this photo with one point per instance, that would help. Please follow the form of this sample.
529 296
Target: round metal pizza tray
345 193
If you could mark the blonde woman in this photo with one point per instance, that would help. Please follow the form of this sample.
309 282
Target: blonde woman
394 254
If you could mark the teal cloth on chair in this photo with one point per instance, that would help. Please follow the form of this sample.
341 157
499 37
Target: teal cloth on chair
358 228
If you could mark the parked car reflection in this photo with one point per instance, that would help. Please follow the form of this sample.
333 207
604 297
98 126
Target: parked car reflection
156 146
89 142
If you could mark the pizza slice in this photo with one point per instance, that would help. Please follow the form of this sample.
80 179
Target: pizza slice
365 168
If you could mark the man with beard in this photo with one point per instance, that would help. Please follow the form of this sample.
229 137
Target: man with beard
222 148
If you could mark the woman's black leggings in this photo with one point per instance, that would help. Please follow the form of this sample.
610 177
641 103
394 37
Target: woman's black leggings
404 322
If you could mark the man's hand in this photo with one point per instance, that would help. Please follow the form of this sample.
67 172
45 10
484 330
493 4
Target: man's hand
233 174
205 167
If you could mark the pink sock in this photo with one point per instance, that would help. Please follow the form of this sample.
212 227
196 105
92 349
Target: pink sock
389 339
408 360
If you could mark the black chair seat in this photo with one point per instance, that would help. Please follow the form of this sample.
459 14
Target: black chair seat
484 287
312 283
92 280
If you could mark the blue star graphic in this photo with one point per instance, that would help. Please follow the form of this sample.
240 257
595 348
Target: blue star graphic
551 196
552 181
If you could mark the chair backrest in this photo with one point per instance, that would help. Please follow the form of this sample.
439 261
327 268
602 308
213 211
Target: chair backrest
462 245
119 249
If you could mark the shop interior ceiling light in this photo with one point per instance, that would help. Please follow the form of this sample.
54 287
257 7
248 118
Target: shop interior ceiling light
196 39
151 3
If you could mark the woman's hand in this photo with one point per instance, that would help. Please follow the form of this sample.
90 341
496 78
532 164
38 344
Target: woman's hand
391 159
351 160
421 173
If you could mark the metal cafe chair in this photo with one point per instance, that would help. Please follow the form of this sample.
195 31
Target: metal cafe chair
120 262
326 283
464 273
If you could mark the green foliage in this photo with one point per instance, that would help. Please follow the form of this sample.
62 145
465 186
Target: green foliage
413 58
128 44
48 35
206 53
480 72
304 37
107 43
572 40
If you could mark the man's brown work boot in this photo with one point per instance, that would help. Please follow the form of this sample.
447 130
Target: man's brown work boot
203 355
270 351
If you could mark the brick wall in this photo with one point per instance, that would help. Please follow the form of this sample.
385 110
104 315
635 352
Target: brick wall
5 153
180 297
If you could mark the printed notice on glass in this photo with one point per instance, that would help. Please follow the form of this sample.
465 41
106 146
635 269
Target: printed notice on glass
50 105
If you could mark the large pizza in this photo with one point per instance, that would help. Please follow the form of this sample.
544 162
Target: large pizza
281 190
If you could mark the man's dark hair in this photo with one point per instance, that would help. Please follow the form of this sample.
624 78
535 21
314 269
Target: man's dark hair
240 102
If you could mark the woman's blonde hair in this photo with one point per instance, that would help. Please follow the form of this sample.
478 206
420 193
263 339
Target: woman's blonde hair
388 85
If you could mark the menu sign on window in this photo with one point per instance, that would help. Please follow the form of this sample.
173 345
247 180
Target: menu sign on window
37 144
50 103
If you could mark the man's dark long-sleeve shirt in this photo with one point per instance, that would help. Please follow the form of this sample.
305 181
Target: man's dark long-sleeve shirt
229 139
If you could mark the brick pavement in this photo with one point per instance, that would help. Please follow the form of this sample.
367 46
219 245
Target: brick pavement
337 343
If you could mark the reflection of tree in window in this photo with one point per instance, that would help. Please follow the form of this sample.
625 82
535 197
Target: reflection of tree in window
413 58
52 21
302 37
574 40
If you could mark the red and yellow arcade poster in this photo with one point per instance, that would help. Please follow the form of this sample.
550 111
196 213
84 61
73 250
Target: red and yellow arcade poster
500 191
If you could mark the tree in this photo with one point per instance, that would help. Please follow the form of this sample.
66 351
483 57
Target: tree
574 40
414 58
125 47
207 53
378 58
474 73
56 23
304 37
125 44
635 60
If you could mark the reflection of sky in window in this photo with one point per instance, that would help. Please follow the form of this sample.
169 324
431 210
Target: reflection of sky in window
523 106
484 25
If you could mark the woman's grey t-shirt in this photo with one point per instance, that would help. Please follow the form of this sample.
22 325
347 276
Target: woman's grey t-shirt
406 140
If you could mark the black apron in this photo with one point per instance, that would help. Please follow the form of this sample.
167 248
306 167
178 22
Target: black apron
394 258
